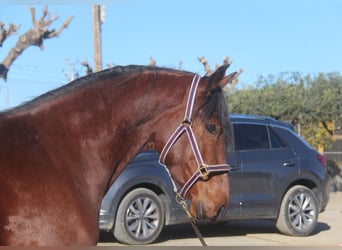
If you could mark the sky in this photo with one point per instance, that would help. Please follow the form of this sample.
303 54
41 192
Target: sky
264 37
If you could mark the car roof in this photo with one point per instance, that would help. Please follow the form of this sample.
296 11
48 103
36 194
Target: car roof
258 119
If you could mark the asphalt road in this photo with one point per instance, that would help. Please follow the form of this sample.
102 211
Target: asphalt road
252 233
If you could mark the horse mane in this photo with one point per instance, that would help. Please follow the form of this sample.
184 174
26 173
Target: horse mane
87 80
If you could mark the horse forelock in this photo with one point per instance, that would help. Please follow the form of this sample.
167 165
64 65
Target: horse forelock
215 104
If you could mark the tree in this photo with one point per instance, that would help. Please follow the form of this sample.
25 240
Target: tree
33 37
313 102
5 33
207 67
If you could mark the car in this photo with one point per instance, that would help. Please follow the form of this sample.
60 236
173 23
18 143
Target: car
275 175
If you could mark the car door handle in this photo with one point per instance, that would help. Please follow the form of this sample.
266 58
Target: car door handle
289 164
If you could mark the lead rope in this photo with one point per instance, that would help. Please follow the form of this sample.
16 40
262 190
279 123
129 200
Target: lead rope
193 223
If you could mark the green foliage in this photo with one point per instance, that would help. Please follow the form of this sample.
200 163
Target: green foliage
317 135
313 101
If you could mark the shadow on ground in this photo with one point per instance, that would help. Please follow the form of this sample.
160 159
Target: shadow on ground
234 228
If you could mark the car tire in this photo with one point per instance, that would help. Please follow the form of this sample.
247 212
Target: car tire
140 217
298 213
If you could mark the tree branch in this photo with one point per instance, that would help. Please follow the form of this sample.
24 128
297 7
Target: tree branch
5 33
180 64
33 37
205 64
326 127
71 70
152 62
89 69
110 65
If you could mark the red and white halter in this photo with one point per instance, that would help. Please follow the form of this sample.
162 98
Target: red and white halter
203 169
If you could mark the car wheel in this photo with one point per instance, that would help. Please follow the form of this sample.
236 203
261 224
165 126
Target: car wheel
298 212
140 217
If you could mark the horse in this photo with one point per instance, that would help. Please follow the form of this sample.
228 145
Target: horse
61 151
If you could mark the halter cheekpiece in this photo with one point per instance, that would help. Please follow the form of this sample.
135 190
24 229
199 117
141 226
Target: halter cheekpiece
203 169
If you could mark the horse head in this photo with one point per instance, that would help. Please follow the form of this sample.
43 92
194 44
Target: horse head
197 160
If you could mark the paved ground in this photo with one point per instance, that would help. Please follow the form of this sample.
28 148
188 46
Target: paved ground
252 233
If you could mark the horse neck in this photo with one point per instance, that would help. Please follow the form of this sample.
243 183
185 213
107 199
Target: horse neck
154 107
94 133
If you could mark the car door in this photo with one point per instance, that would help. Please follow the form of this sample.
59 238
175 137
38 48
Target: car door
235 175
266 163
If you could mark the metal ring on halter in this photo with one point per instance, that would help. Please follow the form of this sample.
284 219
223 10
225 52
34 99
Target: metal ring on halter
203 171
179 198
186 123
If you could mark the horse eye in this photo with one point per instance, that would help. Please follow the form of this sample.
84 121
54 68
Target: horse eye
211 128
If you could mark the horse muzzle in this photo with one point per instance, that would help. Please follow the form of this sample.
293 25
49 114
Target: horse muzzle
203 215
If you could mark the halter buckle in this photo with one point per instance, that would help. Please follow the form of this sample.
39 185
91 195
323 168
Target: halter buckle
203 171
186 123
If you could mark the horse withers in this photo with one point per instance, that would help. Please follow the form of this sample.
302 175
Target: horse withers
60 152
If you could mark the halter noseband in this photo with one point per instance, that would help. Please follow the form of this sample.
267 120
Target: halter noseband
203 169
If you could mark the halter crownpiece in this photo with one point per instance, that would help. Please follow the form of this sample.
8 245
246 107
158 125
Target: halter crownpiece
203 169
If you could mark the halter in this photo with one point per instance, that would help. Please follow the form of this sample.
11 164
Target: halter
203 169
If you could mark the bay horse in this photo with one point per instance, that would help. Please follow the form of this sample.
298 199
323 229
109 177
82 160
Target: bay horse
60 152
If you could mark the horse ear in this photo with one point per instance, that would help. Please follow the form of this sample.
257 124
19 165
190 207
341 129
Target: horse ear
218 78
218 75
229 79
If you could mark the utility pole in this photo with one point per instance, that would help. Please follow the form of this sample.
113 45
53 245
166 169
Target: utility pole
98 19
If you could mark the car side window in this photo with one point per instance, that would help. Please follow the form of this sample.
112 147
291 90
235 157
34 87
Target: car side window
251 137
276 140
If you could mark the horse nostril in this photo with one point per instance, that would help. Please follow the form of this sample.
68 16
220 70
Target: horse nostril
220 214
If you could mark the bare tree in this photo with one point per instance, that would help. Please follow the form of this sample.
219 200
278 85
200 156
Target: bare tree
152 62
33 37
110 65
180 64
72 71
5 33
75 73
89 69
226 61
206 65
